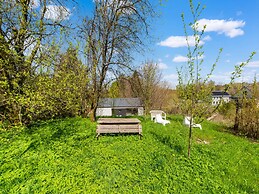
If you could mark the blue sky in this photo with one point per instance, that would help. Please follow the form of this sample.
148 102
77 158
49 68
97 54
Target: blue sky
231 24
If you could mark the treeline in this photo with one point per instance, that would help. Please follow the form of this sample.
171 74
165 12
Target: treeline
60 87
56 90
50 70
147 84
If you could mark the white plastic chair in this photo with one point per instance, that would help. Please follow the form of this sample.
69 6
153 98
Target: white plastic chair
159 119
187 123
157 112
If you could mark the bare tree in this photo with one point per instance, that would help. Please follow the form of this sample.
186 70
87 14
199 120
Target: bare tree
146 84
116 29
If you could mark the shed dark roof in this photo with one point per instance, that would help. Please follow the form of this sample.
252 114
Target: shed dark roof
105 102
119 102
220 93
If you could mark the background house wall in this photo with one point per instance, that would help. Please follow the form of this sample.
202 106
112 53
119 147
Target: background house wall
218 95
140 111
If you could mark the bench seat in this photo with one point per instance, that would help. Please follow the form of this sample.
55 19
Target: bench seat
110 125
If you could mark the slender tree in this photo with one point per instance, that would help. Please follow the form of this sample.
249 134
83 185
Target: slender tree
116 29
193 88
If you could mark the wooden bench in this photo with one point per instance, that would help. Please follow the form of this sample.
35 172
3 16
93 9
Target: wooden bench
118 125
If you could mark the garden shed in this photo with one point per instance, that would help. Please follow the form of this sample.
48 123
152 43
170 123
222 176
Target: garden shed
119 107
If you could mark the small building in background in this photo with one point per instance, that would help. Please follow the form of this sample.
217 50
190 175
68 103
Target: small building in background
218 95
243 93
119 107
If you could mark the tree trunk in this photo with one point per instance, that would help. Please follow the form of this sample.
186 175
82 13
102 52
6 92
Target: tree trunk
236 125
92 113
190 139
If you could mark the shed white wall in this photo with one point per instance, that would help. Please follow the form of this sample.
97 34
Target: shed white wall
140 111
103 112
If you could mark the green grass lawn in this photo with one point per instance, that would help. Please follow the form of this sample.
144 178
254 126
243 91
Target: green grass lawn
63 156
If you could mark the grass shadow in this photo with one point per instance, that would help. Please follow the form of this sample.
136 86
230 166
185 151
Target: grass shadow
61 131
168 141
119 135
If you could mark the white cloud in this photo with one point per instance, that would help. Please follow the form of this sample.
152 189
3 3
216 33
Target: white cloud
224 78
248 76
57 13
206 38
181 59
227 61
172 79
221 78
230 28
253 64
180 41
162 66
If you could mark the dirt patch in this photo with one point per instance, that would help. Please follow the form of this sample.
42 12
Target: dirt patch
200 141
218 118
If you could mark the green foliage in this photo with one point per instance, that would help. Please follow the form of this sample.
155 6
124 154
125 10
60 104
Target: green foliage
63 156
248 120
195 91
227 110
63 92
114 90
27 90
193 88
56 88
247 112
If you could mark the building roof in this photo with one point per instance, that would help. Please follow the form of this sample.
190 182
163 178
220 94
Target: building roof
119 102
220 93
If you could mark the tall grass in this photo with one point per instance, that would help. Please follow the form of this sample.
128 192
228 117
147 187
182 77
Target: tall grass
63 156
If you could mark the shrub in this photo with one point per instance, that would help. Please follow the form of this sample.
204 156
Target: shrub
248 119
227 110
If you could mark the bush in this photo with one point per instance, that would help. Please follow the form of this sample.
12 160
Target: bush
227 110
248 119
